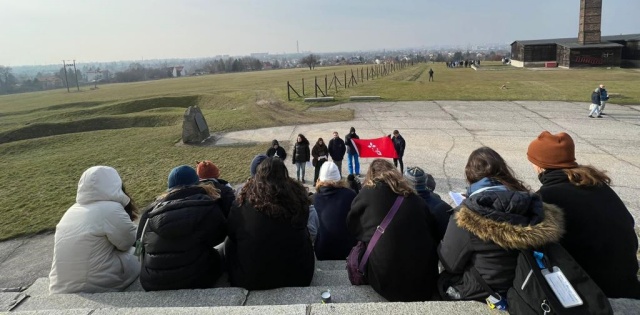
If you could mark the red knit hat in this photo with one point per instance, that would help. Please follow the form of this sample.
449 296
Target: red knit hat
206 169
552 151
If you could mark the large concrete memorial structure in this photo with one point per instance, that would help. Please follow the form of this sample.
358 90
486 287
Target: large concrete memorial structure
589 49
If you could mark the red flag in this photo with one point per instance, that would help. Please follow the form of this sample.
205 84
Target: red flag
375 148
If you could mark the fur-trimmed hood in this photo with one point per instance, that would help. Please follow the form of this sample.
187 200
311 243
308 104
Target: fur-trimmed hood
511 220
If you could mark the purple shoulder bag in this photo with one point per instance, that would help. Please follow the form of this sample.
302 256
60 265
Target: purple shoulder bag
357 267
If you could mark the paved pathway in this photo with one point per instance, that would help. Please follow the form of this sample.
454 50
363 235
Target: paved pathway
440 135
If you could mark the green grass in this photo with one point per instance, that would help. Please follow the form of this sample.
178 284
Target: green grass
47 139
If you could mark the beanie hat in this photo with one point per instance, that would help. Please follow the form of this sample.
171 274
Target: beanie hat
417 177
552 151
183 175
256 161
206 169
352 130
329 172
275 142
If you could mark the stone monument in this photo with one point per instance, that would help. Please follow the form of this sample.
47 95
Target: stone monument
194 127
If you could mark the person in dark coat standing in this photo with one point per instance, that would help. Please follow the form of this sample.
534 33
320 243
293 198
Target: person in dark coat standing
178 232
499 218
332 202
403 266
431 75
320 154
269 245
276 150
337 149
399 144
600 230
595 104
425 185
353 162
301 155
209 173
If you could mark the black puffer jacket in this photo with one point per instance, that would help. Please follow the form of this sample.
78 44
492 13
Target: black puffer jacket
280 152
404 264
178 241
301 152
486 233
332 204
600 233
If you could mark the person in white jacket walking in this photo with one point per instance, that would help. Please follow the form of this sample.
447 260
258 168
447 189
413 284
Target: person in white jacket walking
93 241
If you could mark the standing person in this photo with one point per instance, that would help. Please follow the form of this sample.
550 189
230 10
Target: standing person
178 232
600 232
431 75
320 154
337 149
595 104
332 202
499 218
276 150
269 245
93 242
399 144
353 162
403 265
425 185
604 97
301 155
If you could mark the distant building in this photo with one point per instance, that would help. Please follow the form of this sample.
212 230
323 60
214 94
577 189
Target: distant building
177 71
589 49
50 82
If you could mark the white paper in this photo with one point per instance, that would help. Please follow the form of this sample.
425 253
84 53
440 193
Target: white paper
563 289
457 197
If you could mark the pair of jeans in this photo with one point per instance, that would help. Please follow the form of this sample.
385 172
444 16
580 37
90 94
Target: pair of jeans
395 163
300 166
353 163
595 111
339 165
602 103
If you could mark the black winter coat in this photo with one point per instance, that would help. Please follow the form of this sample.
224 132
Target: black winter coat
318 151
486 232
347 141
264 253
337 149
399 144
178 241
404 264
440 210
280 152
600 233
227 194
301 152
333 241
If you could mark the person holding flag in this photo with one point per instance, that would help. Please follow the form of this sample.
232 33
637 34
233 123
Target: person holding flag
353 162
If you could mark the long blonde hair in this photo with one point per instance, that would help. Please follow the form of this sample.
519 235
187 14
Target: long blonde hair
587 175
383 171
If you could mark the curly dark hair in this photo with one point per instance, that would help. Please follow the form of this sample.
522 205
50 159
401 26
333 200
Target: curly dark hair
303 139
486 162
273 193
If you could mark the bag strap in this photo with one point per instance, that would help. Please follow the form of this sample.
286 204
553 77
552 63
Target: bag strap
485 286
379 231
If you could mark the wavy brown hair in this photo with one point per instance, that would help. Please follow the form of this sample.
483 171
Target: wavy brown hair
486 162
382 171
587 175
130 208
273 193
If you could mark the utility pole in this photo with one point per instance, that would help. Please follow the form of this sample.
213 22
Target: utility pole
64 66
76 72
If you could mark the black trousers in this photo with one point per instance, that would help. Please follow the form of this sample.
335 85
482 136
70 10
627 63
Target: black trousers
395 163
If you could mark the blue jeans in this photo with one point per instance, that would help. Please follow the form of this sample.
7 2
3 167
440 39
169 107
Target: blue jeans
352 158
300 166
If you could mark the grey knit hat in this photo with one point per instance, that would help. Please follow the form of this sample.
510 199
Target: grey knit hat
420 180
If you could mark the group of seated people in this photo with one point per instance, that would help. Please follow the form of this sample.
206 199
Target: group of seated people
260 235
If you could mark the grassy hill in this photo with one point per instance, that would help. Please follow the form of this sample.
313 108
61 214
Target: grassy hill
47 139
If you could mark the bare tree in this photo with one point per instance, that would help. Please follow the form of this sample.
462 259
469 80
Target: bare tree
311 61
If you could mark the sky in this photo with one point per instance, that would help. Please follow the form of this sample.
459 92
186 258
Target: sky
48 31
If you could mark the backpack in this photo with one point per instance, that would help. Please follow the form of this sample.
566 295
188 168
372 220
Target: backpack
532 294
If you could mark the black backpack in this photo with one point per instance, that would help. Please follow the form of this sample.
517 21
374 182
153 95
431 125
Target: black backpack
531 293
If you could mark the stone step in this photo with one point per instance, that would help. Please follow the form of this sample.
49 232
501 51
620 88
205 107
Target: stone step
309 295
331 264
324 278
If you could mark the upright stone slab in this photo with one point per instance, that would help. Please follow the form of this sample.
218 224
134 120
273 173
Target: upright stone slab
194 127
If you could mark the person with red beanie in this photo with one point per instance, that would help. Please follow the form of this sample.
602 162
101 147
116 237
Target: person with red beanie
209 173
600 231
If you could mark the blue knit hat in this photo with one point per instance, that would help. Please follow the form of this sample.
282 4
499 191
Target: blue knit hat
183 175
256 161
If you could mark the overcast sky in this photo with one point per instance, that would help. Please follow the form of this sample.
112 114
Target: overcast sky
47 31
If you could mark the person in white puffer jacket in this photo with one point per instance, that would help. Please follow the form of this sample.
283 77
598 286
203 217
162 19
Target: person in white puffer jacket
94 240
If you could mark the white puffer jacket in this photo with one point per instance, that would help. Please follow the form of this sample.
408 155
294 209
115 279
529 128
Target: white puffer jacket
93 241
